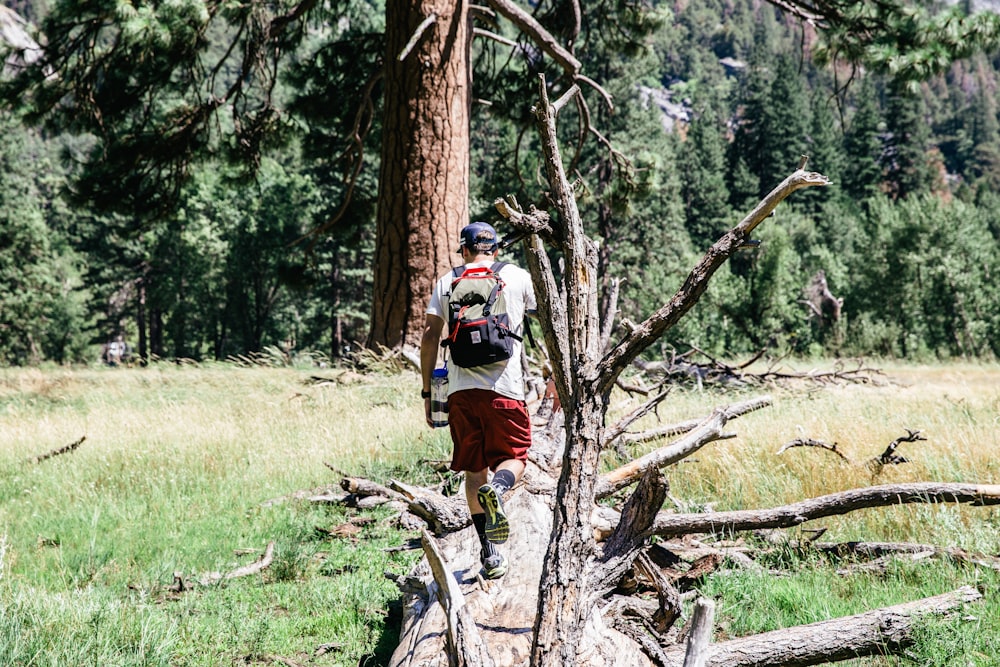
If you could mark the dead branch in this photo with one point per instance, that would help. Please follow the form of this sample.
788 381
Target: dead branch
442 514
255 567
684 368
823 506
809 442
428 21
889 456
57 452
363 487
880 549
615 431
709 431
629 348
878 632
527 24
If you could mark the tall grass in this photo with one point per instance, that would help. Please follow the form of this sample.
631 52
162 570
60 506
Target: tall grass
179 463
173 477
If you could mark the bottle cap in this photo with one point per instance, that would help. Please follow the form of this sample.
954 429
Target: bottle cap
440 372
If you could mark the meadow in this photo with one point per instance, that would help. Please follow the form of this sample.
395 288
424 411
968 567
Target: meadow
188 471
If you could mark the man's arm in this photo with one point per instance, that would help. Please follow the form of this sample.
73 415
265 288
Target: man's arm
429 343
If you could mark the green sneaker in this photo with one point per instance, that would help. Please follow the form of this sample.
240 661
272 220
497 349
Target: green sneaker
494 566
497 526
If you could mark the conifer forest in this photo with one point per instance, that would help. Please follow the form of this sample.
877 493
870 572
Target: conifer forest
203 178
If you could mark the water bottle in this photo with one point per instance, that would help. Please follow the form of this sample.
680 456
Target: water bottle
439 397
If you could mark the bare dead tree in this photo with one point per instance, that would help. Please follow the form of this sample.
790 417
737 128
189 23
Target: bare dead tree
558 606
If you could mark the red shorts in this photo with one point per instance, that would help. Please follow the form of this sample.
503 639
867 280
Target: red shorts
487 429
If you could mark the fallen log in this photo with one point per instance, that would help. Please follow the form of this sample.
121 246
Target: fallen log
823 506
878 632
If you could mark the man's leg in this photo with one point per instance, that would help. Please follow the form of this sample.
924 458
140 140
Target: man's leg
494 564
490 497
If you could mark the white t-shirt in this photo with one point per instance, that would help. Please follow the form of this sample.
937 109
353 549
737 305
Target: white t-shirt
503 377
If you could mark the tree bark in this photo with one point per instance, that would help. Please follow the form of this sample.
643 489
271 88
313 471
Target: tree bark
424 178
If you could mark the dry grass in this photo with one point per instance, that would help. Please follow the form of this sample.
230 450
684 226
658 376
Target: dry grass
956 407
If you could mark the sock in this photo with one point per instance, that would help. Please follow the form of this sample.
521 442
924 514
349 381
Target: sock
479 521
503 480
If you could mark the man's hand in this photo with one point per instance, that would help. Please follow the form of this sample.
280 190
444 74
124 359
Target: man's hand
427 412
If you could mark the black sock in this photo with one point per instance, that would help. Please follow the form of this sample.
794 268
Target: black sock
503 480
479 521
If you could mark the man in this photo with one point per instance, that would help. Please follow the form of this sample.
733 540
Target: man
490 427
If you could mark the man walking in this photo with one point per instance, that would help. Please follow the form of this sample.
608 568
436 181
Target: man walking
490 427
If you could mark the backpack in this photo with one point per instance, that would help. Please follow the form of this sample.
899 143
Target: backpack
479 330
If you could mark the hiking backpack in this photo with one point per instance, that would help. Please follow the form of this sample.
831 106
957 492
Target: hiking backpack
479 330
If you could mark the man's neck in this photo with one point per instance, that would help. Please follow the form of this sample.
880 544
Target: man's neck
481 258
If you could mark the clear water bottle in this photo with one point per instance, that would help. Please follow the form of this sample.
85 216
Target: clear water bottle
439 397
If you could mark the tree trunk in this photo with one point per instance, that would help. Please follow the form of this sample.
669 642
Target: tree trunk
424 179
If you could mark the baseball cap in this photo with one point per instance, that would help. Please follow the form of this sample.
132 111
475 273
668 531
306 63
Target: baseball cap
478 236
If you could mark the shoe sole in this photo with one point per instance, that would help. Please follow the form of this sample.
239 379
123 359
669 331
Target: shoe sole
497 526
496 572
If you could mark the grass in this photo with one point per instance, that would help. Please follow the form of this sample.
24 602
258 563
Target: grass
179 464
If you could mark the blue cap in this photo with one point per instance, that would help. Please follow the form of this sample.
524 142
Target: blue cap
440 372
479 236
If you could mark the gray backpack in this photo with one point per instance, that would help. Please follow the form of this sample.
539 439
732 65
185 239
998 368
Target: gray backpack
479 330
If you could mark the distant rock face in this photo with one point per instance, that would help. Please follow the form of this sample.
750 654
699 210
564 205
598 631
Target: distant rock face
671 112
14 36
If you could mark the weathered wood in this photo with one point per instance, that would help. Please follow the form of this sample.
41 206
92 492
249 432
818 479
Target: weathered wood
823 506
466 646
702 621
625 542
709 431
877 632
504 610
443 514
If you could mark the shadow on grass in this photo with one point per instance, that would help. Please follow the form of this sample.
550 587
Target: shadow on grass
389 638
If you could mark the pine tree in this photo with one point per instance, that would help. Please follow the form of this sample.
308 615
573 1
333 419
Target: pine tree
746 149
826 153
863 146
908 169
784 123
703 183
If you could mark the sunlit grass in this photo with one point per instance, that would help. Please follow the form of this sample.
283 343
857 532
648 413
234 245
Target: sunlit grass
179 462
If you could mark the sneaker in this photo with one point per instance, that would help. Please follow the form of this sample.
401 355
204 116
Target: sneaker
497 526
494 566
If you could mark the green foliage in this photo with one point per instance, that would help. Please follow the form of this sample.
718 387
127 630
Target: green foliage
168 239
40 315
928 274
